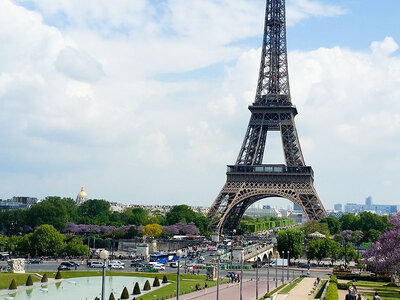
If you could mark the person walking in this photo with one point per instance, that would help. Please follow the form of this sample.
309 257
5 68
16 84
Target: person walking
350 296
376 297
359 297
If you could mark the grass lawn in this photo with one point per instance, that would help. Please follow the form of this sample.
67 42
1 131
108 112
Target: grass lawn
5 279
386 293
290 286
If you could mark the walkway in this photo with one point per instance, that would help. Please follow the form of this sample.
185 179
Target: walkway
300 292
232 291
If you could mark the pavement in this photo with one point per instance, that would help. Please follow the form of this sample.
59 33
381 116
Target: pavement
232 291
302 291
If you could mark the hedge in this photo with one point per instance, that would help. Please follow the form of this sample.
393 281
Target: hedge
125 294
156 282
344 286
136 289
274 291
44 278
58 275
13 285
332 292
29 281
147 286
365 278
165 279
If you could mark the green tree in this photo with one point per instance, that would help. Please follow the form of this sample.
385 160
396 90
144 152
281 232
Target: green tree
111 297
3 243
165 279
152 230
368 221
136 216
373 235
44 278
349 253
95 211
292 241
75 247
333 224
136 289
125 294
314 226
147 286
184 214
318 249
349 221
156 282
54 211
48 241
29 281
13 285
334 251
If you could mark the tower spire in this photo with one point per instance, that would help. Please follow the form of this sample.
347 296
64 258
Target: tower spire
273 80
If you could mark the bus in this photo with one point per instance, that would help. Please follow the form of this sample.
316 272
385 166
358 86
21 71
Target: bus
163 257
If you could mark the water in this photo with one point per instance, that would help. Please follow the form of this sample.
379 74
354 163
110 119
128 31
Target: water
83 288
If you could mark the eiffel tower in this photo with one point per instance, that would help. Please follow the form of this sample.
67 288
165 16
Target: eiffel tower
248 180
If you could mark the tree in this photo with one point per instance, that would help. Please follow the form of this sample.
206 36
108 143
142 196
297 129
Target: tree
75 247
152 230
29 281
44 278
334 251
318 249
384 255
58 275
165 279
333 224
48 241
54 211
137 216
349 253
136 289
95 211
111 297
125 294
349 221
156 282
3 242
184 214
373 235
13 285
147 286
368 221
292 241
312 226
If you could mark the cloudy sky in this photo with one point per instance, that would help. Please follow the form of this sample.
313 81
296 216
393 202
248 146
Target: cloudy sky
145 101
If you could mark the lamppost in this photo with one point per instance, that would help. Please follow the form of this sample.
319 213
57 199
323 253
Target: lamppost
233 233
218 254
288 265
257 278
268 275
276 272
282 260
103 255
241 274
178 254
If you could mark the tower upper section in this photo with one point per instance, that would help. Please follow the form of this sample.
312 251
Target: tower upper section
273 80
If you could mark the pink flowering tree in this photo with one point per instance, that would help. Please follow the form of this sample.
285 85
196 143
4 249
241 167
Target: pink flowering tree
384 255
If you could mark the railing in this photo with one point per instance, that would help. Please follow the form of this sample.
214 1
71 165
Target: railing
274 169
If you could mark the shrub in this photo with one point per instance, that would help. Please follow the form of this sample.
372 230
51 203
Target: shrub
58 275
136 289
274 291
333 279
44 278
156 282
147 286
344 286
29 281
125 294
13 285
332 292
165 279
111 297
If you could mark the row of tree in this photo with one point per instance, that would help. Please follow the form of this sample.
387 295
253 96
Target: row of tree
58 212
44 241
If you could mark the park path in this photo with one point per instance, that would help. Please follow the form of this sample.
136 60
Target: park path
231 291
302 291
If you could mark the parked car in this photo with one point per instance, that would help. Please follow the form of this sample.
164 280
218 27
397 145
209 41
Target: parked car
159 267
63 268
137 265
174 264
304 266
96 264
36 261
114 265
118 262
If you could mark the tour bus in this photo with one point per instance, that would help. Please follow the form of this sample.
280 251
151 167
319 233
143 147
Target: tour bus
163 257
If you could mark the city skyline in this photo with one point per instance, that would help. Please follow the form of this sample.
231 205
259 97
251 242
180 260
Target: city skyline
146 101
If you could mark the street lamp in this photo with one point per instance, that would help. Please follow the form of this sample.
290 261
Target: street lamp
288 265
282 260
241 274
178 254
233 233
268 275
103 255
218 254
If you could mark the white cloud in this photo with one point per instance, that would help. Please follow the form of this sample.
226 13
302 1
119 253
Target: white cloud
386 47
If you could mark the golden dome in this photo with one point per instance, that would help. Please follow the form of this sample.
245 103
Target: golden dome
82 196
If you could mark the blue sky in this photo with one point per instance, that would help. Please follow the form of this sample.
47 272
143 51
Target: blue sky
146 101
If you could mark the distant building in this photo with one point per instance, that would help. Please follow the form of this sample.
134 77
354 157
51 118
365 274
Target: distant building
379 209
82 197
338 207
17 202
266 207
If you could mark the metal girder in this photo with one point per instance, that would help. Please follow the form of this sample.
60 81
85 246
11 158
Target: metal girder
249 181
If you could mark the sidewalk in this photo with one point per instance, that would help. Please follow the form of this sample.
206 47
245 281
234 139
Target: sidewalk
300 292
232 291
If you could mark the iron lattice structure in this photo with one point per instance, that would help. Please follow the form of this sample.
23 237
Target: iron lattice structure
249 180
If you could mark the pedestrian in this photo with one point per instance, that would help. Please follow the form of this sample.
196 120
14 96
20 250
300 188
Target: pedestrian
350 296
198 271
359 297
376 297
